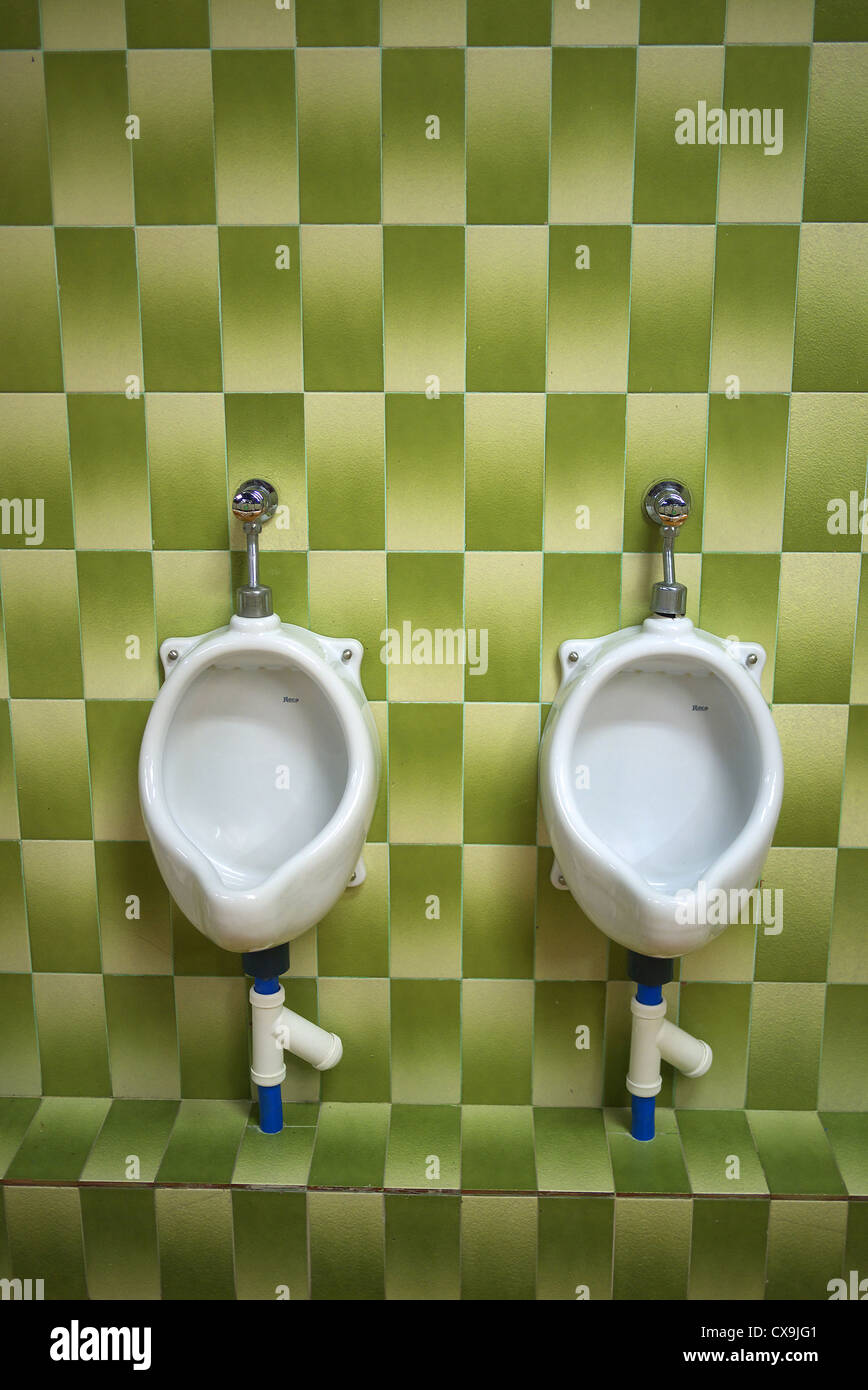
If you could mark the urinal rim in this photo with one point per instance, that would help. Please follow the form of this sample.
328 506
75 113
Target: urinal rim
573 700
362 762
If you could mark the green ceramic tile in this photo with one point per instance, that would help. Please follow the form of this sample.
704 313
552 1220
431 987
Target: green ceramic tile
99 306
87 105
338 135
342 294
192 953
679 22
589 293
424 1151
20 25
769 21
194 1231
350 1146
15 1117
584 451
670 308
761 175
819 501
178 275
854 803
265 432
179 24
109 463
120 1244
423 299
14 938
795 1153
503 664
254 137
500 760
118 641
848 954
114 734
796 946
204 1142
423 101
593 129
131 1143
806 1248
53 791
137 1072
412 22
270 1239
828 333
347 1236
504 471
654 1167
652 1247
58 1140
507 277
186 438
348 598
508 104
498 1248
675 179
247 24
424 910
581 598
45 1238
728 1249
426 1041
212 1037
567 942
497 1042
77 24
785 1041
844 1039
134 916
423 1248
424 646
839 20
425 472
498 911
28 292
719 1153
616 23
754 300
425 773
20 1073
337 22
71 1020
26 195
568 1043
40 604
813 740
173 158
572 1153
490 23
497 1149
60 884
848 1133
33 433
275 1160
575 1248
747 447
353 937
358 1011
738 587
260 308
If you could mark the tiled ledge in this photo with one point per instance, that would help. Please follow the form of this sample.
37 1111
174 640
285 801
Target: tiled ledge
150 1199
476 1149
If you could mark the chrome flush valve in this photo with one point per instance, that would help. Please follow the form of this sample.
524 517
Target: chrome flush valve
667 504
254 503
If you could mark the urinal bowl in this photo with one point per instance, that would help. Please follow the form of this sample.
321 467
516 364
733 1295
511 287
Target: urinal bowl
660 778
258 777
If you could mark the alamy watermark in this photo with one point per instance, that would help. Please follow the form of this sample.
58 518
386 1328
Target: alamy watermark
440 646
717 907
712 125
23 516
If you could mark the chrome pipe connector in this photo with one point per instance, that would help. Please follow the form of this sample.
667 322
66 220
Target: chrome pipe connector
667 504
254 503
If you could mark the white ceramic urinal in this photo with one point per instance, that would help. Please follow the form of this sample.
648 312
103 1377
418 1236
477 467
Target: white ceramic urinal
258 773
660 778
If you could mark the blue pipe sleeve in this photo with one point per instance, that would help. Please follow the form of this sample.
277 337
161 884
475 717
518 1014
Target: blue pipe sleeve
642 1107
270 1101
642 1117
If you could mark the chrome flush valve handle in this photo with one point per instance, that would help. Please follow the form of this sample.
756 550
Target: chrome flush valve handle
254 503
667 504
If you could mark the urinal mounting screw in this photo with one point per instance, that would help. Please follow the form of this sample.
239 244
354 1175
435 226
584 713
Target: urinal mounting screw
562 881
172 655
346 655
752 659
573 657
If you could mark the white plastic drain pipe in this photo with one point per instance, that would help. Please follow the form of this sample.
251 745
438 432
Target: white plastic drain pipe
277 1029
655 1037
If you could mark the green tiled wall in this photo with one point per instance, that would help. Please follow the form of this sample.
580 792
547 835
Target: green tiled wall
442 273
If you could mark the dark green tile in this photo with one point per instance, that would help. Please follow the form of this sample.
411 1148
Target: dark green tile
270 1245
194 1228
572 1154
848 1135
346 1245
728 1249
496 23
497 1149
350 1145
337 23
19 24
682 21
575 1248
424 1147
795 1154
275 1160
131 1143
120 1243
16 1113
204 1142
656 1166
59 1139
423 1247
167 24
719 1152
